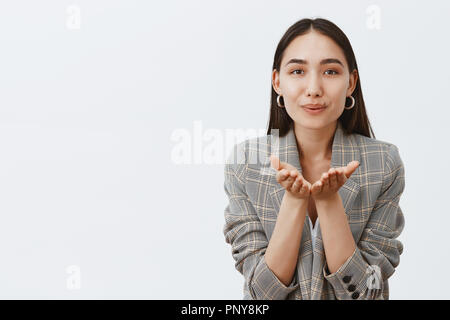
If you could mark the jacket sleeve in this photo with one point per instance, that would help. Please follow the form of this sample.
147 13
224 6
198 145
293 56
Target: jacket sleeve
364 276
244 231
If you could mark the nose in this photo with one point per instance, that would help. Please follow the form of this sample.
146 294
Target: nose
314 86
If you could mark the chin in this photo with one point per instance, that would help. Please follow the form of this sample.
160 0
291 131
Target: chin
311 123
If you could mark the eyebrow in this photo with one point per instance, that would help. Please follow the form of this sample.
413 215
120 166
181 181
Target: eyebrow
324 61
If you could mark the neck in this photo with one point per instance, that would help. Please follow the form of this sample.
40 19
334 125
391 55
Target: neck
315 144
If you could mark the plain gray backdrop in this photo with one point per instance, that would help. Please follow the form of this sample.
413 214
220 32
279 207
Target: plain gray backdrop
94 202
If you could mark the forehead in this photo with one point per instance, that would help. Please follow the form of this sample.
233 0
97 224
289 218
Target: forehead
313 47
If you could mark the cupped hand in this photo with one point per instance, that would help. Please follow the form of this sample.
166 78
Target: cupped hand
289 177
332 181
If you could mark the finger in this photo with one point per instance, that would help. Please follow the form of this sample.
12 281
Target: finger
294 173
297 185
319 187
288 187
281 175
341 178
285 174
325 180
294 187
277 164
291 174
289 179
306 187
288 166
316 187
351 167
285 178
288 183
333 178
356 164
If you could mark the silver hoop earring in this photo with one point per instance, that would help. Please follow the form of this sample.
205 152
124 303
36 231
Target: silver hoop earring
353 102
278 101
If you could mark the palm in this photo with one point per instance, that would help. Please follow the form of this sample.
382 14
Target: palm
332 181
297 185
289 177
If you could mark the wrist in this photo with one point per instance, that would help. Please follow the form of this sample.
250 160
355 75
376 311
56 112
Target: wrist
328 201
293 201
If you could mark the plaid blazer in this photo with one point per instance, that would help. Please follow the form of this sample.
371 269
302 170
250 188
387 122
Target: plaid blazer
371 200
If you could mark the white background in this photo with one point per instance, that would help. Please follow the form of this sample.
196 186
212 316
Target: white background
87 173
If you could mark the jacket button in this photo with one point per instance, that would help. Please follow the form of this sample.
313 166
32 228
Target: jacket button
351 288
346 279
355 295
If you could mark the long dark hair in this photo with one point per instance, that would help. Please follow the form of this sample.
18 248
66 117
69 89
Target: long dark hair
354 120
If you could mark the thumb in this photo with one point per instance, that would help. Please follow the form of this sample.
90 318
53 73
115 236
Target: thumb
351 167
275 162
278 164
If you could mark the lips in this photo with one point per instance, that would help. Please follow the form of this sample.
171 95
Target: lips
314 106
314 109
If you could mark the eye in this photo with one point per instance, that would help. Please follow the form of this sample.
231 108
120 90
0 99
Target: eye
293 72
335 72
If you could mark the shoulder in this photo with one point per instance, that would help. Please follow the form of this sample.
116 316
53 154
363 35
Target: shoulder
380 155
248 151
252 152
381 173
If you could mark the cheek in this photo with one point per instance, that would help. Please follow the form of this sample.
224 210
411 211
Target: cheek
337 92
291 88
291 108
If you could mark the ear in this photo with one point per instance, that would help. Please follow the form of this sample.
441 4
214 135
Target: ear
276 81
353 79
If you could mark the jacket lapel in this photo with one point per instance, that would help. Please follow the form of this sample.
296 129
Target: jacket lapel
310 264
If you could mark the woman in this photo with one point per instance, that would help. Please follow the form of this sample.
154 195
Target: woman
318 218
